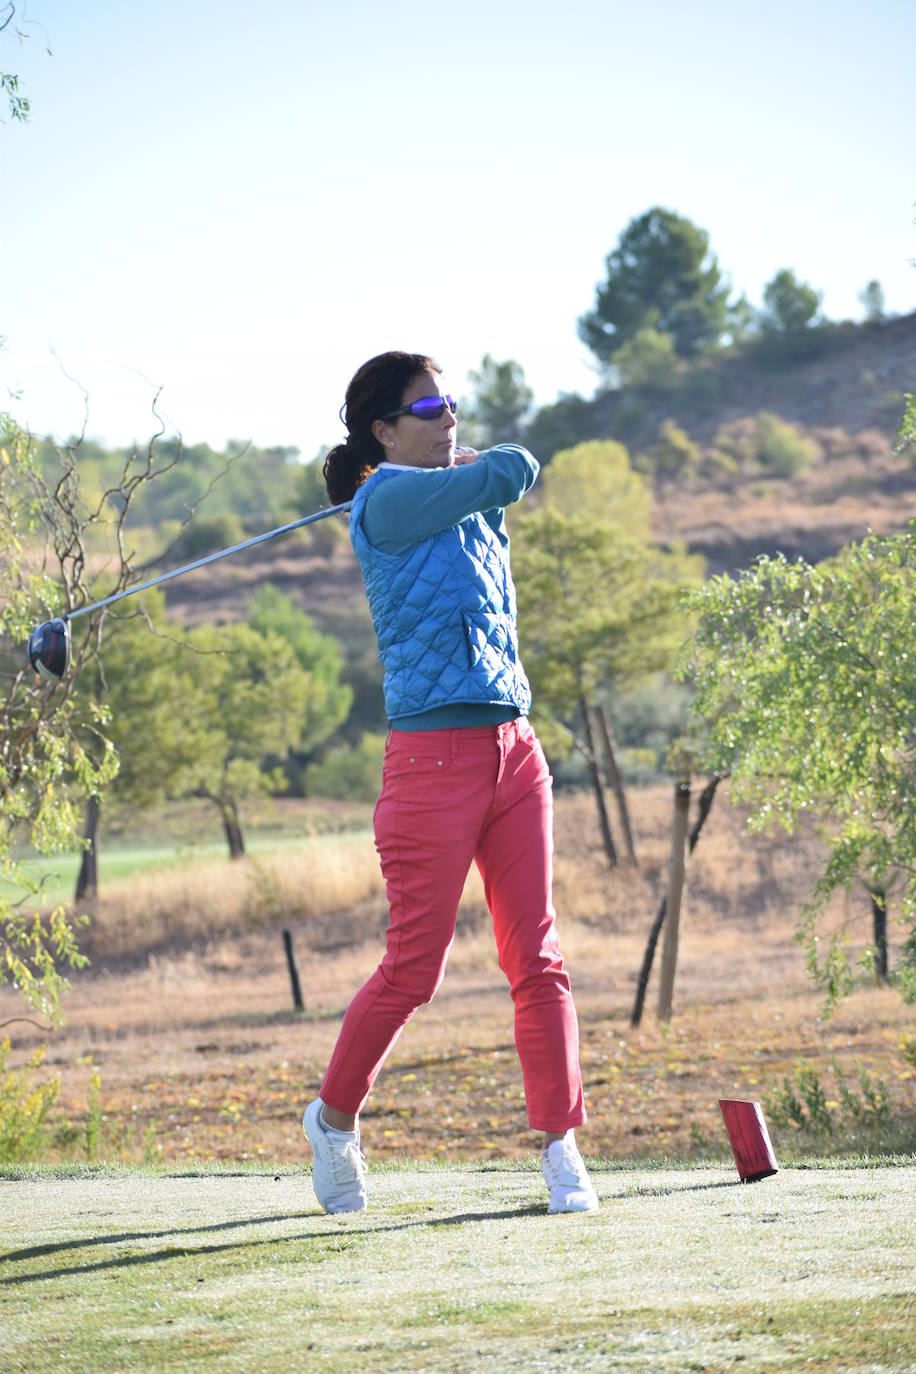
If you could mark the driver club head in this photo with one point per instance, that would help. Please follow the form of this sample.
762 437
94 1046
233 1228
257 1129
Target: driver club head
49 649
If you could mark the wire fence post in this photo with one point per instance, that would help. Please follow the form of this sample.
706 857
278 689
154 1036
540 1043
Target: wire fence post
293 971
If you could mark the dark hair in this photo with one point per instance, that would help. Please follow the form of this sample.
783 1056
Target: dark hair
376 389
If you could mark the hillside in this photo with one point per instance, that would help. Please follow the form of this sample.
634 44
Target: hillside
855 384
848 401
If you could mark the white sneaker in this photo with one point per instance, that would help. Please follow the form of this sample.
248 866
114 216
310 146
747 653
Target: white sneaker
567 1179
339 1171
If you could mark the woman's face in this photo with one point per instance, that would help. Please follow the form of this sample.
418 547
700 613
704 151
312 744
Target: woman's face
415 442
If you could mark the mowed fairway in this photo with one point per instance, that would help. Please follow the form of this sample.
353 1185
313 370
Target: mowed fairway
457 1268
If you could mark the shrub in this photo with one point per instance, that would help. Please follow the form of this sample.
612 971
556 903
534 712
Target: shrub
24 1108
348 772
639 766
702 386
675 454
205 534
567 421
647 359
629 416
781 448
736 441
768 443
839 1115
720 461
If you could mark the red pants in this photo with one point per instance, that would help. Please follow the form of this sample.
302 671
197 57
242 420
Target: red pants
449 797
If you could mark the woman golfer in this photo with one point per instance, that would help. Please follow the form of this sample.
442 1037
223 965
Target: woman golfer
464 777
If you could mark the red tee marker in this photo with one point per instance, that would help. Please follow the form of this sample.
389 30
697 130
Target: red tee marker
749 1139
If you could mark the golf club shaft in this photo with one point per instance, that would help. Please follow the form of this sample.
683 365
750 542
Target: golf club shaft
210 558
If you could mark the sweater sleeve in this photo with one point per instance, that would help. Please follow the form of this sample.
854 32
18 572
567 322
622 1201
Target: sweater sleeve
424 501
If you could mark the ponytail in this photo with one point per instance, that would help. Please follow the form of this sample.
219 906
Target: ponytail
376 389
345 470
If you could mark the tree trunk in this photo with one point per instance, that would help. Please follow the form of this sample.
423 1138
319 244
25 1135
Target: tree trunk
87 882
879 925
706 800
595 774
607 735
233 829
676 882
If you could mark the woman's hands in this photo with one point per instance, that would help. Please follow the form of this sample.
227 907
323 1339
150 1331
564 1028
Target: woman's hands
464 455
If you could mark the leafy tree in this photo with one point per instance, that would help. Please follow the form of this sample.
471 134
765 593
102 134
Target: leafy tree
567 421
327 700
674 455
349 772
767 443
742 320
311 492
54 747
243 706
780 447
46 735
17 104
872 298
206 534
647 359
241 482
790 306
164 689
141 679
500 403
250 696
598 603
596 477
806 685
660 276
905 438
19 107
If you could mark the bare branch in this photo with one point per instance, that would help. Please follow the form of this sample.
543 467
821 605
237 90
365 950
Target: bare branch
192 511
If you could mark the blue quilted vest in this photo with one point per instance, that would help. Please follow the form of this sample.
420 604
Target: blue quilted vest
444 614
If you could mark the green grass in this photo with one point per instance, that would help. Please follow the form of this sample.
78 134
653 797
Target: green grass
455 1268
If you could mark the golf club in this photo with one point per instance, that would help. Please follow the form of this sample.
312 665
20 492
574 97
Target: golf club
49 644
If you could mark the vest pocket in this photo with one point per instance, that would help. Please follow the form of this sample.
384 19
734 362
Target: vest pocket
485 638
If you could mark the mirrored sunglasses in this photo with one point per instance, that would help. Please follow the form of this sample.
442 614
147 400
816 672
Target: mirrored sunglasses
427 408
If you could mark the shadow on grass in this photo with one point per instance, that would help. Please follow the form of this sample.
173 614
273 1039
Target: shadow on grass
119 1238
172 1252
650 1191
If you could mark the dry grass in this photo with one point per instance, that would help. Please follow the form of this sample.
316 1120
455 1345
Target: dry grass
201 1056
153 911
814 513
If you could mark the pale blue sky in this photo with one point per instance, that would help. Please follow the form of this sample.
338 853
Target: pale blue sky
243 202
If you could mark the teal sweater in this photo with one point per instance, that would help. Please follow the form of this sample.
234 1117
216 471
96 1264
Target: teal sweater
423 502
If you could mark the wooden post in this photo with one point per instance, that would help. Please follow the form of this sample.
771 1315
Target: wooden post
676 879
293 971
706 800
643 980
595 773
613 772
